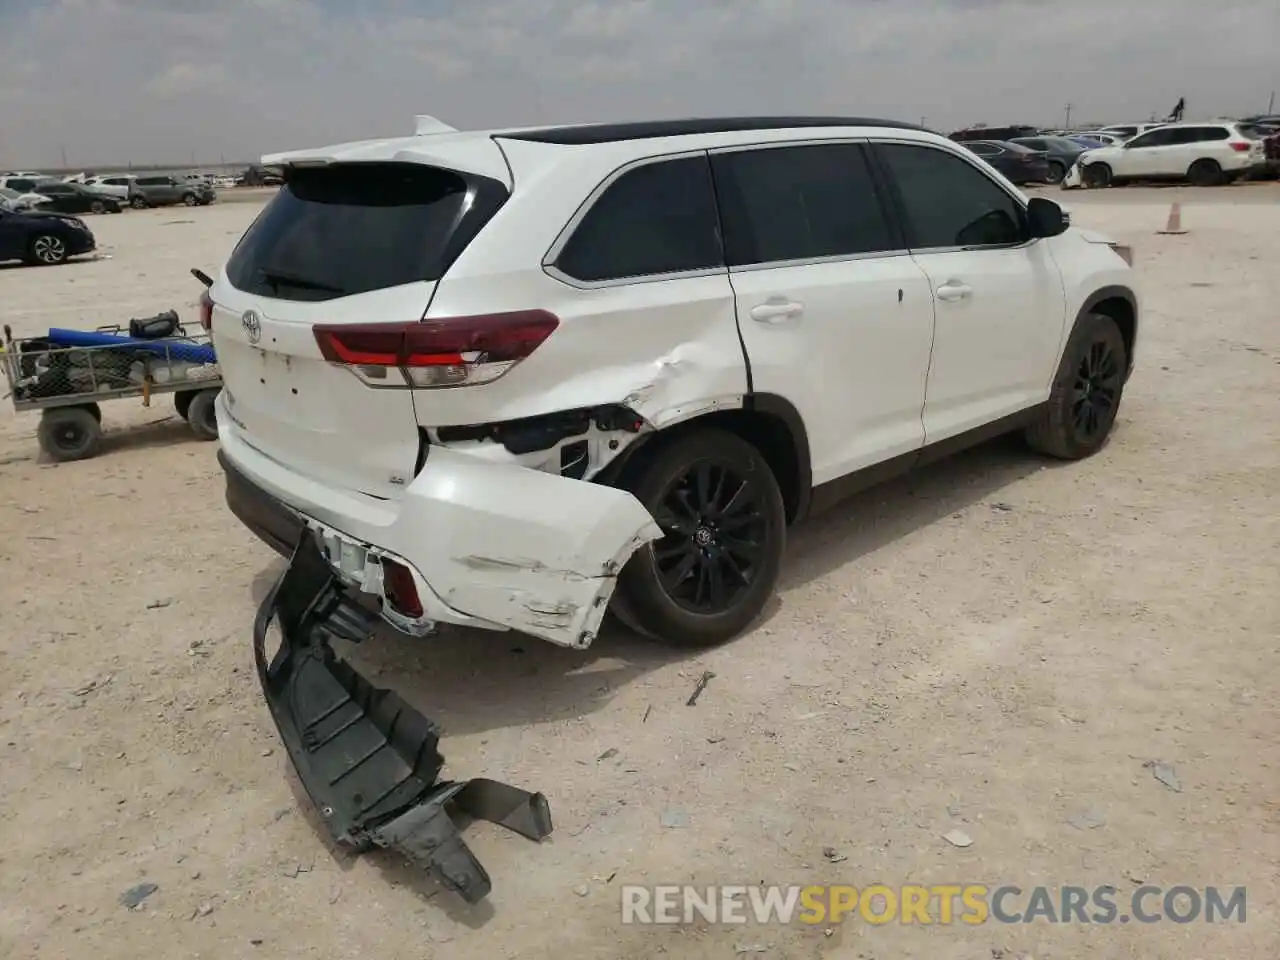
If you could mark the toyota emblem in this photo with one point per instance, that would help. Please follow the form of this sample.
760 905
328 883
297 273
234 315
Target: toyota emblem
252 324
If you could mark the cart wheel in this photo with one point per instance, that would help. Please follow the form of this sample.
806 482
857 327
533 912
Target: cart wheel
69 433
182 402
200 415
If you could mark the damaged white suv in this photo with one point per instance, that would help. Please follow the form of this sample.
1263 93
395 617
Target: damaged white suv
510 379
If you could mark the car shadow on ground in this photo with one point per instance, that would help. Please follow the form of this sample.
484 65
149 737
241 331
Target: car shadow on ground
473 681
164 431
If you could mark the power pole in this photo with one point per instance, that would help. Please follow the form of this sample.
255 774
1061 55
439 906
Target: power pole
1271 104
64 155
1067 124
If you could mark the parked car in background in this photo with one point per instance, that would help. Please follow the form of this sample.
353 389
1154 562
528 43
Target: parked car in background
17 200
1127 131
115 185
65 197
1206 154
995 133
1020 165
1093 140
161 191
23 182
256 175
1061 152
1269 133
43 239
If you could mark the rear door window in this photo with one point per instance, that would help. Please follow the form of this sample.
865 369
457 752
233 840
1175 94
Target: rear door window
655 219
352 228
948 202
800 203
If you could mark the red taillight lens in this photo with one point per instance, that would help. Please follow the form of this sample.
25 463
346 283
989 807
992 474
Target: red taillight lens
450 352
401 591
1240 147
206 310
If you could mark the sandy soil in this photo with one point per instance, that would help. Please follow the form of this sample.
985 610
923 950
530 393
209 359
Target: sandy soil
995 645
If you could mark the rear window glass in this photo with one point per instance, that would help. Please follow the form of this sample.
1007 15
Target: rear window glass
347 229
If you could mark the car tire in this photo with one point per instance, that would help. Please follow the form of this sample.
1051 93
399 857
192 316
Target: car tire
1206 173
1057 172
1086 392
201 414
190 199
720 507
182 402
97 206
1096 175
138 203
70 433
46 250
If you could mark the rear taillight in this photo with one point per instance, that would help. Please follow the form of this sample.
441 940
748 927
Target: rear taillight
1240 146
401 592
206 310
449 352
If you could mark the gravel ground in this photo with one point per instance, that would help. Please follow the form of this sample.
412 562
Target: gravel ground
996 646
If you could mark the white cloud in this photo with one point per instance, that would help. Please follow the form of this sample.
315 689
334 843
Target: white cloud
153 80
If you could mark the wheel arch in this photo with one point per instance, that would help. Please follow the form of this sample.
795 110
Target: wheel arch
767 421
1121 305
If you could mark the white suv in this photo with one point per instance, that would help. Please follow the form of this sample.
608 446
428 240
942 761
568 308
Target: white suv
508 379
1206 154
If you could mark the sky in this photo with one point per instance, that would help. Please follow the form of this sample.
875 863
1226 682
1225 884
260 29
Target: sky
107 82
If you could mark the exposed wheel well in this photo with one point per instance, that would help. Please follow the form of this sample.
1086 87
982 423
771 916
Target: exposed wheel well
767 432
1120 310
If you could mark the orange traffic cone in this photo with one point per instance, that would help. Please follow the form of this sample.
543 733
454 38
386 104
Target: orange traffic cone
1174 225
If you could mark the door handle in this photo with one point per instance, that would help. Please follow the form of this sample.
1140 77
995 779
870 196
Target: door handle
775 311
954 290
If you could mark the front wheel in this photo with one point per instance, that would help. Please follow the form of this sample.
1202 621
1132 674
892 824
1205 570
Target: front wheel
1086 392
97 207
724 526
1097 175
1057 171
190 199
1206 173
47 250
138 203
70 433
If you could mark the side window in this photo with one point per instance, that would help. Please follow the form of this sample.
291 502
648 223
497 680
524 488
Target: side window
1034 144
984 149
950 203
654 219
799 203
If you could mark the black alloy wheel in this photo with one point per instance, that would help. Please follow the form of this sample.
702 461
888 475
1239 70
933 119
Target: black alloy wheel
1096 393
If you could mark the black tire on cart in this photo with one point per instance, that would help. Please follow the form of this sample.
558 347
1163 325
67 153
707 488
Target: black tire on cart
182 402
70 433
201 416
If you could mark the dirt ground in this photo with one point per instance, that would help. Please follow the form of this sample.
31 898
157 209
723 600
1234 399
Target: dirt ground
995 645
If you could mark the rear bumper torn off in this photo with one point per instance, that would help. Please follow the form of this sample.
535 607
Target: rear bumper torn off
368 760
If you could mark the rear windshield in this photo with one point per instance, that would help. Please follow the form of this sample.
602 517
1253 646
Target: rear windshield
350 228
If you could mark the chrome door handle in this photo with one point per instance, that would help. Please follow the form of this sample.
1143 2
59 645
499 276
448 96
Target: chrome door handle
954 290
775 311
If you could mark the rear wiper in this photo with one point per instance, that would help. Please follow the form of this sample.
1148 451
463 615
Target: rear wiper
277 278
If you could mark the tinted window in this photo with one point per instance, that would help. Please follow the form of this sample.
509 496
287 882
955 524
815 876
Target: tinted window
950 203
116 181
55 188
1153 138
23 185
1033 144
799 203
983 149
352 228
654 219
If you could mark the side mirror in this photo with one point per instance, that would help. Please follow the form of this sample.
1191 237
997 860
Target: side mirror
1045 218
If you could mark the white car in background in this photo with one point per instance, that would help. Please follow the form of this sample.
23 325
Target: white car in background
17 200
1205 154
113 186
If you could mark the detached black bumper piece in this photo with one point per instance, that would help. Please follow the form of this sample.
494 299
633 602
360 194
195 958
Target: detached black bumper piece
368 760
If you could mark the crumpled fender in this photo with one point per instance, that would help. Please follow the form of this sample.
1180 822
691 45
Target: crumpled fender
519 548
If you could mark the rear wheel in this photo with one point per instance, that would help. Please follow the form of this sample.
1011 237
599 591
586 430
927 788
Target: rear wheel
200 414
1086 392
139 202
69 433
1097 175
724 527
1057 171
1206 173
190 199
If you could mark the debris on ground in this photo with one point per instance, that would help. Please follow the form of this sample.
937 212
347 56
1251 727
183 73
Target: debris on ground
674 817
1089 819
958 838
202 911
833 855
608 754
97 683
133 897
1165 773
1002 507
750 948
158 604
707 677
582 889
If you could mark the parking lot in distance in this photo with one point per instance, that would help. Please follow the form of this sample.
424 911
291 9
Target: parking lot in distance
994 646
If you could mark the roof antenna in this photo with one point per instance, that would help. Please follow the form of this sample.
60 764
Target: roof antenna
425 126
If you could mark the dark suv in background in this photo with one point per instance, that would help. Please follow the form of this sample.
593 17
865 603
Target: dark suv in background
163 191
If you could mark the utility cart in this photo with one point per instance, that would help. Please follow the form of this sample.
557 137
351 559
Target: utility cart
67 373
